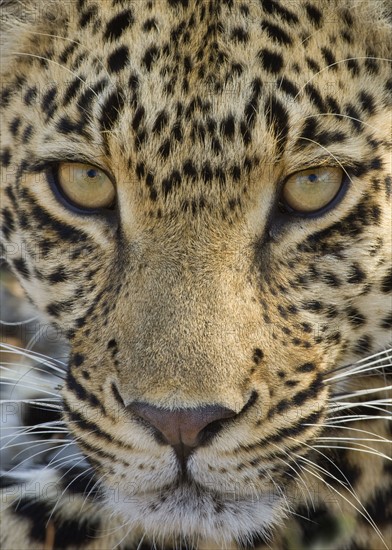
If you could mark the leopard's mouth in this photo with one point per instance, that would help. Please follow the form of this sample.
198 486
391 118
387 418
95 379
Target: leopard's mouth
194 511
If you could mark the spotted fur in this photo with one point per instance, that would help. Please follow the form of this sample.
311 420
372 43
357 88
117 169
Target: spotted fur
197 289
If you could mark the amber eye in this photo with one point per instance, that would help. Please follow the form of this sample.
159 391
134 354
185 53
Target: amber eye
85 186
313 189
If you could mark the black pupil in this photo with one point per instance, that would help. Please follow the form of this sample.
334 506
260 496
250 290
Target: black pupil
91 173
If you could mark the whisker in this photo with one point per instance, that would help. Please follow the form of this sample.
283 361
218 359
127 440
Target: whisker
334 420
69 484
58 65
341 116
363 449
337 63
18 323
364 513
359 393
65 38
387 352
351 404
34 356
28 387
350 428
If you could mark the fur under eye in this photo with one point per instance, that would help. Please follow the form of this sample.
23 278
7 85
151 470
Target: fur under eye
312 190
85 186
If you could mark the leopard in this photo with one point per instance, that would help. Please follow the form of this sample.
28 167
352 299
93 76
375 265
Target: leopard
196 194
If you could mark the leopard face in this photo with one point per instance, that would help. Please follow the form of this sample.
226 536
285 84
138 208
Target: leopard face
205 306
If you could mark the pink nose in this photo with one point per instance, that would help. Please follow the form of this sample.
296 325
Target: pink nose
182 427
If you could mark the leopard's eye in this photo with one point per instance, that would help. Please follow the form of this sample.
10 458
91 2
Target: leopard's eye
85 186
312 190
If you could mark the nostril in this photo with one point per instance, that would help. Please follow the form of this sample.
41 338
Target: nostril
183 426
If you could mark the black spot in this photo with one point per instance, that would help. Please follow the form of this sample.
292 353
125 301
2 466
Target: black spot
172 181
275 8
111 110
138 117
347 18
189 169
228 127
332 105
5 157
306 367
291 383
355 317
313 305
293 430
21 267
150 57
363 345
371 64
317 525
58 276
352 65
314 14
160 122
355 117
27 133
117 25
239 34
150 24
367 102
31 95
386 283
306 327
14 126
252 106
80 481
67 126
8 222
388 86
312 64
272 62
310 392
257 356
315 97
165 148
356 275
118 59
276 33
386 323
67 52
288 87
176 3
112 344
87 97
329 58
331 279
71 90
76 533
81 393
176 131
78 359
207 173
37 513
277 118
309 130
87 16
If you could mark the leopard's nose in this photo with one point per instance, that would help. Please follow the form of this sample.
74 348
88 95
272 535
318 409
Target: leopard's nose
183 429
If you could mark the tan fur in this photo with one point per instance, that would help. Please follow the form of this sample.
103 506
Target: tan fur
189 297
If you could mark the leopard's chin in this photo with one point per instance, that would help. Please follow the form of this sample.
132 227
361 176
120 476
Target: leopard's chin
190 512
